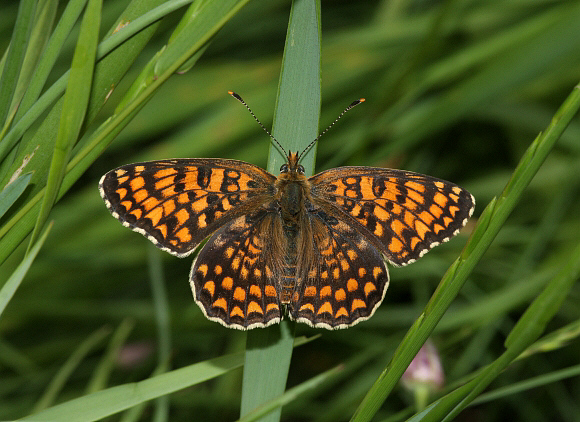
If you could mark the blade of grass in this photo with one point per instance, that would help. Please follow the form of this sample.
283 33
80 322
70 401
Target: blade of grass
163 324
43 22
529 327
12 192
106 365
269 350
15 57
15 279
54 46
327 381
528 384
75 103
107 75
554 340
527 330
292 394
489 224
115 399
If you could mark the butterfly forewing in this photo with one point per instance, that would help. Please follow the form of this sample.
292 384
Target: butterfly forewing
404 213
178 203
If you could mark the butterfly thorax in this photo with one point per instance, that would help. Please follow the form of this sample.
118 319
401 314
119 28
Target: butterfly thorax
292 190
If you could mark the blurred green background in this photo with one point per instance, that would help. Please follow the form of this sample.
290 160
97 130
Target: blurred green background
454 89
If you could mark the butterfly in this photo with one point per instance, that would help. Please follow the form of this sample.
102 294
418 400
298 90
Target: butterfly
312 249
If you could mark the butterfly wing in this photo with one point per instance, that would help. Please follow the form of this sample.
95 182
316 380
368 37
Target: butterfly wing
178 203
347 278
233 276
404 214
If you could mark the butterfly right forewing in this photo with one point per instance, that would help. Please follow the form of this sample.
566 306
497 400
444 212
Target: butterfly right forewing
405 214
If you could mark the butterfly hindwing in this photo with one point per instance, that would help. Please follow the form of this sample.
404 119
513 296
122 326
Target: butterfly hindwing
408 213
233 276
177 203
347 280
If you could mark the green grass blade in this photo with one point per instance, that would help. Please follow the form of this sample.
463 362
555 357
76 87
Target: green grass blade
527 330
54 46
107 75
76 100
554 340
106 365
12 192
291 394
17 276
266 365
110 43
163 324
487 228
544 379
269 350
116 399
15 57
41 29
297 113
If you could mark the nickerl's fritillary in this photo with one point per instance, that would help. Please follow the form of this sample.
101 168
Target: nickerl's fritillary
314 249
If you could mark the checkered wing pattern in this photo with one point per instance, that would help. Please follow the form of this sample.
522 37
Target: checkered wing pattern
403 213
178 203
347 280
233 276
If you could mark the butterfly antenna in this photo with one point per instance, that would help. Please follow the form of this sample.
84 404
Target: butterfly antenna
351 106
241 100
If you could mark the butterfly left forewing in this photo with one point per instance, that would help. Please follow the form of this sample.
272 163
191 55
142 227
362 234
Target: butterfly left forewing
178 203
405 214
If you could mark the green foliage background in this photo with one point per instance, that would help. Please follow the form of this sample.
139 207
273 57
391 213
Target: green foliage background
455 89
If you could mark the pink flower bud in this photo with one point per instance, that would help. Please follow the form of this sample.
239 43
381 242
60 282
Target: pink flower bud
424 374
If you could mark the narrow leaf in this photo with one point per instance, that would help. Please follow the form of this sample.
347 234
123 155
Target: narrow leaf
10 193
113 400
76 100
297 112
15 57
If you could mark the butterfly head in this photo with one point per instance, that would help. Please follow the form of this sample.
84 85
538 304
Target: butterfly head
292 166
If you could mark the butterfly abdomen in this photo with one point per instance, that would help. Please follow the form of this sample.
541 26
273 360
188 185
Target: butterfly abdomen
288 277
291 193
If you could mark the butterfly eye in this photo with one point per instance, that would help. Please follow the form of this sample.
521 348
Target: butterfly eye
284 168
300 169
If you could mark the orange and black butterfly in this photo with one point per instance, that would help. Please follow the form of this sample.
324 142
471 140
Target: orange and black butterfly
314 249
